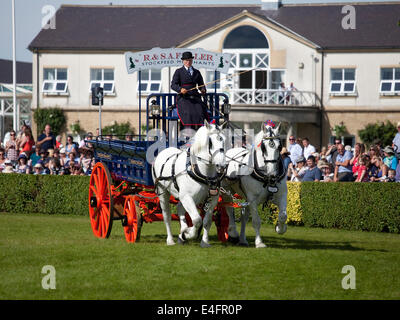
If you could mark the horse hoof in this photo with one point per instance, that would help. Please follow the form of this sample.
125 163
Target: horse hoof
204 244
233 240
281 229
181 240
261 245
171 243
243 244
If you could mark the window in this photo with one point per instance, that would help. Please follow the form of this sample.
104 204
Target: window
55 80
277 77
342 81
390 81
150 81
102 78
210 78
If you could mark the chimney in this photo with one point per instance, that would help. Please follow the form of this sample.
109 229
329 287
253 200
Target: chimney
270 4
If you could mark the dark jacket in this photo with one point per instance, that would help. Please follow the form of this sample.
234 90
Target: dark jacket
192 111
182 79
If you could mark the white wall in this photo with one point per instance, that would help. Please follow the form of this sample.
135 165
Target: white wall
368 67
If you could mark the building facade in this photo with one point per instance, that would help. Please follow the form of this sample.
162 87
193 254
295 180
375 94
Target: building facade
340 75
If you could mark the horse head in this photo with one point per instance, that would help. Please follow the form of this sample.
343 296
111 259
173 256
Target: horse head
209 146
269 143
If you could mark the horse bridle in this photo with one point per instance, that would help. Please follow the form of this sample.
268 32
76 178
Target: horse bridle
272 145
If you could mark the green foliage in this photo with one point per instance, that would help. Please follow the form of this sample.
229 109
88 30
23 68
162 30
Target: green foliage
351 206
20 193
118 130
382 131
53 116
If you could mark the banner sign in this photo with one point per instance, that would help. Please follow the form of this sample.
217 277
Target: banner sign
158 58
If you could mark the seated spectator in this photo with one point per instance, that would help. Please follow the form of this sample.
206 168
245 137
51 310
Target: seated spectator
327 172
8 167
34 158
2 158
358 151
86 145
86 161
12 148
343 172
77 170
71 157
128 137
55 167
391 176
298 172
378 145
59 145
323 152
37 169
312 172
375 169
398 172
69 169
22 166
63 157
285 157
44 161
373 151
27 142
71 146
332 152
362 168
390 161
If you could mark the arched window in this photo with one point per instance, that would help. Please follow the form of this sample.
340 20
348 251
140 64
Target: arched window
246 37
249 48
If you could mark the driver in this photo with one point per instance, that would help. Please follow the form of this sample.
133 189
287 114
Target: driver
192 111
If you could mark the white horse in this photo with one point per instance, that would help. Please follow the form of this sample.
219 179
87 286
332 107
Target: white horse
192 177
257 174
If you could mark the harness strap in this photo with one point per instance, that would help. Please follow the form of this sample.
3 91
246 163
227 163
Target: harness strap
194 172
160 178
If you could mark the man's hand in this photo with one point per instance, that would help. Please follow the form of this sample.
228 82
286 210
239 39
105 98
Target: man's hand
183 91
203 91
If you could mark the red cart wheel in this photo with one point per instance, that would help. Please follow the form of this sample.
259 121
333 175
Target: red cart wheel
222 224
100 201
132 219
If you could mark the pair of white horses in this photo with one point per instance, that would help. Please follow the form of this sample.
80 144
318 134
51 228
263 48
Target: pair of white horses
192 176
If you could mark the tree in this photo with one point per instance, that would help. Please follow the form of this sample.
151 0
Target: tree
384 132
118 130
52 116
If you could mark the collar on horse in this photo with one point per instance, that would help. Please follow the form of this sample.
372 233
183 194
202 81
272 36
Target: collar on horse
214 183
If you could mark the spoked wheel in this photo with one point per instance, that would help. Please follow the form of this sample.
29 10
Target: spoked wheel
132 220
100 201
222 224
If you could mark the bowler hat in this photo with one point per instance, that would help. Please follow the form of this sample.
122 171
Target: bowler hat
187 55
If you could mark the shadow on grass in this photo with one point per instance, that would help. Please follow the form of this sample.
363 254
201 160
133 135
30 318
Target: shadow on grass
271 242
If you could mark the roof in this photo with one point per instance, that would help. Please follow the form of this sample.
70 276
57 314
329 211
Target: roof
145 27
24 72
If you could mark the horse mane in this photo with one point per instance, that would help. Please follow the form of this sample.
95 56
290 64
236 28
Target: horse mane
201 139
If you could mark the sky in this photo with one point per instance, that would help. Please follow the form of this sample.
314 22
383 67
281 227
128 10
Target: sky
29 17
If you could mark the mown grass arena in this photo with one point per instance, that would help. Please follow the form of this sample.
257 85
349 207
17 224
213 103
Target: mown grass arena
304 263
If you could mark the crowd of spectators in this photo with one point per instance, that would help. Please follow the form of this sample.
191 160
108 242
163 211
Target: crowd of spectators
22 154
339 163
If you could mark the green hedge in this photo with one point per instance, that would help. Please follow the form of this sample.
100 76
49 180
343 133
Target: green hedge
20 193
351 206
